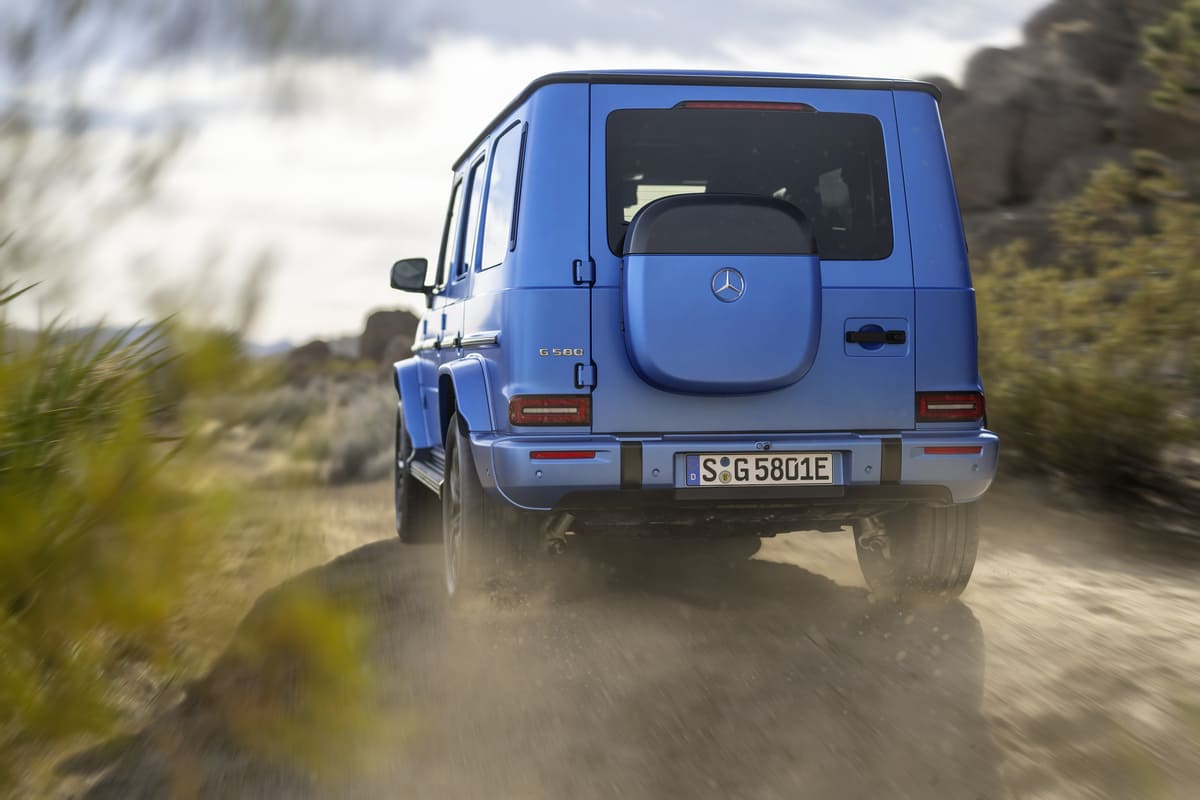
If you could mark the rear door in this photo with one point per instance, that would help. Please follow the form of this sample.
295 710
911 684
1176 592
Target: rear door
832 153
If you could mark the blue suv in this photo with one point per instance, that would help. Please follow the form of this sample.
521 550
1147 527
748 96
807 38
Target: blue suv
705 304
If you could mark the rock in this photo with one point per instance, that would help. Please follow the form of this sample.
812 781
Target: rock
1059 119
1140 13
982 138
1139 124
397 349
1094 37
989 230
302 361
386 332
1072 173
994 75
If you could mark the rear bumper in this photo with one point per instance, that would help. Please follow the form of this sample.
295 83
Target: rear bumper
867 468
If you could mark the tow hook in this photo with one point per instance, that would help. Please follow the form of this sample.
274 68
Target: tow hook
873 536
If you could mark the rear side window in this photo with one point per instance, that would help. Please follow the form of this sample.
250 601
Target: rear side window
451 237
499 221
475 184
829 165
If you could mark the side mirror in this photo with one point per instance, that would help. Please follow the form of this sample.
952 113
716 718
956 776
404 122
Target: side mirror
408 275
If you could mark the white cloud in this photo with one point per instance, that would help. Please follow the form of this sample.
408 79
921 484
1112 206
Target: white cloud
356 174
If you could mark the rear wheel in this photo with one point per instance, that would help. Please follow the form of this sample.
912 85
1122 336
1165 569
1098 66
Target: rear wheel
417 509
484 539
923 551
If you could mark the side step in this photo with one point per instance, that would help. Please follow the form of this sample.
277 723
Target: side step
429 467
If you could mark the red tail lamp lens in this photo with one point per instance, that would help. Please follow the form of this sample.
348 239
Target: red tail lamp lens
953 451
560 455
949 407
567 409
746 105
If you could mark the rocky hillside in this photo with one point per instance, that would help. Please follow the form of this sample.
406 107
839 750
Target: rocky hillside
387 337
1030 123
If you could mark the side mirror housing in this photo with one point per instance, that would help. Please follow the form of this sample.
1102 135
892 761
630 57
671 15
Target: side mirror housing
408 275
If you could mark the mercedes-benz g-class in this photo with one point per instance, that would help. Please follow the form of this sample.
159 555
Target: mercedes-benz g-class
703 303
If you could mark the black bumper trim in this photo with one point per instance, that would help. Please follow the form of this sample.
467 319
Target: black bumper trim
631 465
890 461
782 496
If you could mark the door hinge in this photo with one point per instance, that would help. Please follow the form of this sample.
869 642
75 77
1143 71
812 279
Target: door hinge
585 376
584 271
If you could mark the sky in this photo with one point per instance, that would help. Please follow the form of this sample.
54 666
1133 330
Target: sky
333 161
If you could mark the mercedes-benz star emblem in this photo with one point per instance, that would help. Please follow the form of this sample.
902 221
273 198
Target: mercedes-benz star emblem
728 285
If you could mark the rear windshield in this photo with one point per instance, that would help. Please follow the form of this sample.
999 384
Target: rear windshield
830 165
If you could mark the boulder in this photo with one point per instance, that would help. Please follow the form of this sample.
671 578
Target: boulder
1139 124
994 75
1073 172
385 333
989 230
1059 119
982 138
397 349
301 362
1090 37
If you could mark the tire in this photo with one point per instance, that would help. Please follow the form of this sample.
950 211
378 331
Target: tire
417 509
483 539
923 551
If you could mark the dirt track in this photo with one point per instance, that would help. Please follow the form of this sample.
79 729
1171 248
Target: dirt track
704 669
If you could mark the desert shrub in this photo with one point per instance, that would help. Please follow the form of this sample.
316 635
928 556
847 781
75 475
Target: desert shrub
286 405
1091 366
103 529
112 532
360 437
1173 52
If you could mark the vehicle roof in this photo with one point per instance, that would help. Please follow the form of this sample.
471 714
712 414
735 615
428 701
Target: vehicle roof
700 78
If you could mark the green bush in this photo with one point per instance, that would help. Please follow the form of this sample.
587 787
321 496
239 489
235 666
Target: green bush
113 544
360 439
1092 366
1173 52
103 530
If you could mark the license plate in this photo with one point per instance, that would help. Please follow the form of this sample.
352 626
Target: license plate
759 469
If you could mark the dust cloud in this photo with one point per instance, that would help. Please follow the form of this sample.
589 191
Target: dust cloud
724 669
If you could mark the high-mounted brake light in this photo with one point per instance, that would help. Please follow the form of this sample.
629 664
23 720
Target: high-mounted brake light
542 409
561 455
745 105
949 406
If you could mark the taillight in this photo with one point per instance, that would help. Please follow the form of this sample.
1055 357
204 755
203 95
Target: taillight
561 455
749 105
543 409
949 406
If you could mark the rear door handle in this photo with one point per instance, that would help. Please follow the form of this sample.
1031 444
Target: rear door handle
876 337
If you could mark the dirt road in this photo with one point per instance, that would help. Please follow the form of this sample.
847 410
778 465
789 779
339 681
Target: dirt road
724 670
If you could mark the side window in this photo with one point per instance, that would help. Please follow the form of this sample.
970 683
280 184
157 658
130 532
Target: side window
475 186
499 221
451 236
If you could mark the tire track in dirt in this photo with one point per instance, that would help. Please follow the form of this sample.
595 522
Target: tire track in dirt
721 669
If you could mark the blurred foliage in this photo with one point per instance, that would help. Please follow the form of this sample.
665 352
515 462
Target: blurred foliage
1093 366
113 534
291 686
1173 52
334 427
50 162
104 529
